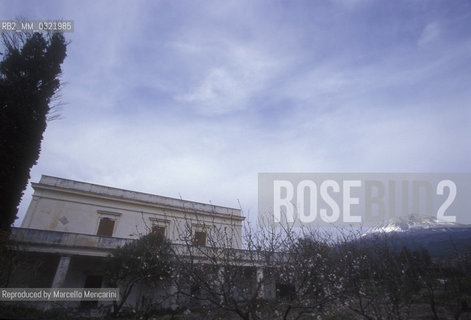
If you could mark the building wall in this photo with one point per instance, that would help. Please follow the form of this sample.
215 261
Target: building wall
69 213
72 206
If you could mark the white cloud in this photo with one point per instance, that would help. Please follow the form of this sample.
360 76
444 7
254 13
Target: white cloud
229 86
275 87
430 33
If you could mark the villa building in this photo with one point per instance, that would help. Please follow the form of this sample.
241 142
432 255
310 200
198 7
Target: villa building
71 226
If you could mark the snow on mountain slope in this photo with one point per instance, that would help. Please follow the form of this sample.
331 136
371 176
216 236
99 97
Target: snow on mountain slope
439 238
413 223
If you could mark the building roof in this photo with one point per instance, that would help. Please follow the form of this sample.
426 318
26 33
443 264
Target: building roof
73 186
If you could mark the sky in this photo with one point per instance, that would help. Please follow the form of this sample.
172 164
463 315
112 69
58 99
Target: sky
193 99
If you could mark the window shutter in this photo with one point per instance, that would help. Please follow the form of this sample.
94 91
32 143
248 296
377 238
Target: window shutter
159 230
200 238
105 229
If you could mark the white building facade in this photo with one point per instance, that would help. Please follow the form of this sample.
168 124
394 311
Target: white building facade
78 207
72 226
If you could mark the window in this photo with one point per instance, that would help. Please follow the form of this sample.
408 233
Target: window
200 238
105 228
159 230
159 226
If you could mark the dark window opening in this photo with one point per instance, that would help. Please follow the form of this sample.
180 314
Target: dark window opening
200 238
159 230
105 229
92 281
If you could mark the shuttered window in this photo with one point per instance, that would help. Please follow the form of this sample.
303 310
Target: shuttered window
200 238
159 230
105 228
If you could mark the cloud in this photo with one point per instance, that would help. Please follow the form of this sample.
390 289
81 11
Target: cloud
229 86
219 92
430 33
179 98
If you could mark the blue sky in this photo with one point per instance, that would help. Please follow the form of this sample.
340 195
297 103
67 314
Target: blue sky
194 98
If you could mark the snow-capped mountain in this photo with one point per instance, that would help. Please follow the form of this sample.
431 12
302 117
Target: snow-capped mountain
440 238
413 223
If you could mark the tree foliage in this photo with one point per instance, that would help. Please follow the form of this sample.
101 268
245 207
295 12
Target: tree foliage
147 260
29 79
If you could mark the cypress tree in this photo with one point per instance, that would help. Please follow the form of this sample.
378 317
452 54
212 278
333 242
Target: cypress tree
29 79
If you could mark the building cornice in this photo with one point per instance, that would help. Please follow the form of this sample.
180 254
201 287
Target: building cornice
135 198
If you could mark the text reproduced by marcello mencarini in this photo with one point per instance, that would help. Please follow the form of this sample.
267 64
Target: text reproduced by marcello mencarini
59 294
